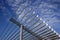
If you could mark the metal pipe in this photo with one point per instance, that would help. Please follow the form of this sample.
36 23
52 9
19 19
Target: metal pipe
21 32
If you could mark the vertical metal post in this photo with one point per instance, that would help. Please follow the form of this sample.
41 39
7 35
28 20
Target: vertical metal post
21 32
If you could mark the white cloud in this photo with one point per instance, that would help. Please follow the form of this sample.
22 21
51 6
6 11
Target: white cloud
46 11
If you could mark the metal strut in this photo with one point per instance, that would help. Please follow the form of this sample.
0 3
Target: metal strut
21 32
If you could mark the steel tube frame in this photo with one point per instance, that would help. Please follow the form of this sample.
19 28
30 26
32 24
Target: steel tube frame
26 29
29 31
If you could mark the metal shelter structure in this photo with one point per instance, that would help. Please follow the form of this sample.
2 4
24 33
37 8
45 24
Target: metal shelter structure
31 16
35 28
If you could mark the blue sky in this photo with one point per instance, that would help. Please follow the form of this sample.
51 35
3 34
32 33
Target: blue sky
48 10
